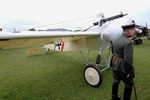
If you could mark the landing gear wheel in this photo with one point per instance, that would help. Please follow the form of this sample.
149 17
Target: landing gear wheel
93 76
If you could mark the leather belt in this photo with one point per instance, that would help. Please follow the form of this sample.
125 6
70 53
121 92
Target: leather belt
115 57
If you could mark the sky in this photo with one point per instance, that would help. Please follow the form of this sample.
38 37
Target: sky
24 14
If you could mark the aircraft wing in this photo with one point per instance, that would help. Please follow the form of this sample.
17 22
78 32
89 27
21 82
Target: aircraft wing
43 34
35 38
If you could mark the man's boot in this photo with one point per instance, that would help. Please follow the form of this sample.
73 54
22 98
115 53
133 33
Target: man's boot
115 92
127 93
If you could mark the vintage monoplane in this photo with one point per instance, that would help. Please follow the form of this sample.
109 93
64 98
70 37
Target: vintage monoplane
144 32
98 36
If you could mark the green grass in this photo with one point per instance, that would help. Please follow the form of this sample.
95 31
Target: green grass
59 76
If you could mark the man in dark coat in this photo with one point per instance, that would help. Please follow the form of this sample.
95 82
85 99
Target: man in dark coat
122 62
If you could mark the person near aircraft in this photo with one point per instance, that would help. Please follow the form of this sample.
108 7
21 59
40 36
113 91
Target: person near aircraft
122 62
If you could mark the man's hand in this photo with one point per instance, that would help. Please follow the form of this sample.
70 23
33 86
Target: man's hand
130 76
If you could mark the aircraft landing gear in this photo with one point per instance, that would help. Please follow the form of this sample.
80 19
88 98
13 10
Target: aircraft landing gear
92 73
93 76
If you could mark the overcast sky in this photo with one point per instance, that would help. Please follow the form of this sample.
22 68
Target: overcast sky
27 13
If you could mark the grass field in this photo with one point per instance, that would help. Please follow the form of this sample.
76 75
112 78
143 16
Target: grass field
59 76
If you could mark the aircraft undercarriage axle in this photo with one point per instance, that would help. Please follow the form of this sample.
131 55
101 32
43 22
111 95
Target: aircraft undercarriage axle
92 72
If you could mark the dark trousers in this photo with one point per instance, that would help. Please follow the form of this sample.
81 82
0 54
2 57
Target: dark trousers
117 77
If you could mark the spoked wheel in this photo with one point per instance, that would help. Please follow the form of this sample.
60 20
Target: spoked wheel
93 76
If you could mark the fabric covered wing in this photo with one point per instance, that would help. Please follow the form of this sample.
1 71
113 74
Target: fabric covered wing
32 38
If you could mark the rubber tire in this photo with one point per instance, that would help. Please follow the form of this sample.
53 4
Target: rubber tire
98 74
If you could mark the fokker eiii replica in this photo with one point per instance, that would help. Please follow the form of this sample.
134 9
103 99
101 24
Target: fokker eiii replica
98 36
